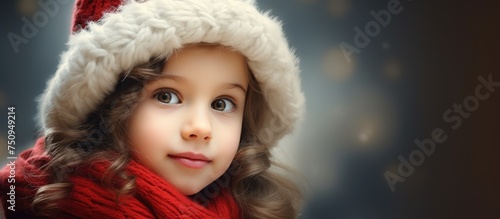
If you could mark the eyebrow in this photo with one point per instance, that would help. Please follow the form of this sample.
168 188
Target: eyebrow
236 85
181 79
172 77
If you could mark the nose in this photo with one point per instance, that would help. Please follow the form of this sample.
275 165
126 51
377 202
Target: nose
197 126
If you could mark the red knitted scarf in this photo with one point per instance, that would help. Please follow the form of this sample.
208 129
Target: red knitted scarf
153 196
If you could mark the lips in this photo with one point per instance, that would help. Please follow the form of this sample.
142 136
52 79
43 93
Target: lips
191 160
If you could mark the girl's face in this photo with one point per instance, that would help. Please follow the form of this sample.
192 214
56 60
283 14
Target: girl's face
187 125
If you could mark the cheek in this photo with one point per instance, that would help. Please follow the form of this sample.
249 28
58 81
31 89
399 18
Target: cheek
146 130
231 138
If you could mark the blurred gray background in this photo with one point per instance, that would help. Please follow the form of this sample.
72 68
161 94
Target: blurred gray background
362 115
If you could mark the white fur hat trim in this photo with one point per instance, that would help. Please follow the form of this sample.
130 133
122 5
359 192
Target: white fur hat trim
137 31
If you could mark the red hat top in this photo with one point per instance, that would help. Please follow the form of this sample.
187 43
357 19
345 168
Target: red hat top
91 10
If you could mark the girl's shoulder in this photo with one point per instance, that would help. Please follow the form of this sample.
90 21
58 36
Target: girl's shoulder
21 177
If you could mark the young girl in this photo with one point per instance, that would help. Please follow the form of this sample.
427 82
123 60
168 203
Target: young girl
163 109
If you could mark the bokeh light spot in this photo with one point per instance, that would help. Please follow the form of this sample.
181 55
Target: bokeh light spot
339 8
366 132
336 65
370 121
27 7
392 69
386 45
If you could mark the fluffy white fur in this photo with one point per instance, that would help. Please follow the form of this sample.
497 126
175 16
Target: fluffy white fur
90 68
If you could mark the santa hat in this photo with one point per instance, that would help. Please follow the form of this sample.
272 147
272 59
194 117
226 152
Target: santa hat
112 36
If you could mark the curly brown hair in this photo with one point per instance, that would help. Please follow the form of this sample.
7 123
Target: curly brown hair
259 191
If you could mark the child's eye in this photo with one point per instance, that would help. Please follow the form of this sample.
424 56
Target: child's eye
224 105
167 97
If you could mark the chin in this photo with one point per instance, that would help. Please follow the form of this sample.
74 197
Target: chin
189 190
